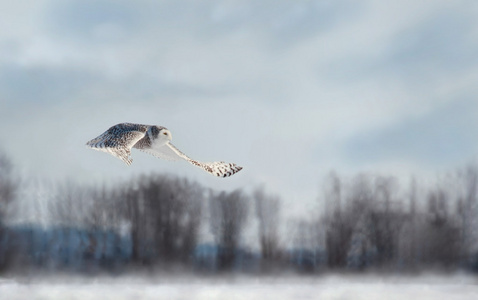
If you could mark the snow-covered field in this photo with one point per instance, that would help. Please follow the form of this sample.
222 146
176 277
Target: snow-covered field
358 287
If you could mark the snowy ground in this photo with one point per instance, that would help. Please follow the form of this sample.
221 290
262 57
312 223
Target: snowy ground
358 287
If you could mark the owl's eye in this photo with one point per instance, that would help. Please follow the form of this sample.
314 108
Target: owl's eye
165 133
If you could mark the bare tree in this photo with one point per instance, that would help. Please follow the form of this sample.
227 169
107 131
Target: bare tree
306 254
133 212
7 186
267 211
7 194
364 229
386 220
229 212
467 211
165 211
408 237
359 208
338 226
70 207
192 197
441 241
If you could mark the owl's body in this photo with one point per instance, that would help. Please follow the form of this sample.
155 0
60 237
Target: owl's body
155 140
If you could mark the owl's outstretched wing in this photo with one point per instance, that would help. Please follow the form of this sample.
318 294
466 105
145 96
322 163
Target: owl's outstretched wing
163 152
118 140
170 152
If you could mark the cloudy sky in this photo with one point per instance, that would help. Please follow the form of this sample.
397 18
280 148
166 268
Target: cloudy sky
288 89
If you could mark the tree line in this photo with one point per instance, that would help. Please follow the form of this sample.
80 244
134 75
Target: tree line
162 221
371 223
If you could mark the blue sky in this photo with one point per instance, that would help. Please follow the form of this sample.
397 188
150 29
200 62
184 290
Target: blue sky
289 89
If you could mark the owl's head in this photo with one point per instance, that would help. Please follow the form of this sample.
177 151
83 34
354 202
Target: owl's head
159 135
165 134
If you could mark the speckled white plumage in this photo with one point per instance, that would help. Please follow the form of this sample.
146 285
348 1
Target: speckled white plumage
155 140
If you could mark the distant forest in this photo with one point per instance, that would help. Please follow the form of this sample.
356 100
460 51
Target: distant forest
159 221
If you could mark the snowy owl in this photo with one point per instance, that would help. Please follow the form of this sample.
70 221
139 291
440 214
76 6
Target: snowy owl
119 139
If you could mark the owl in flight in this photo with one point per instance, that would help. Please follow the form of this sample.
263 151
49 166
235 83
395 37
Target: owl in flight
155 140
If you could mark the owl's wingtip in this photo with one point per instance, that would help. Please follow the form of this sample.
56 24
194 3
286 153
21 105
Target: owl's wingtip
90 144
233 171
229 170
